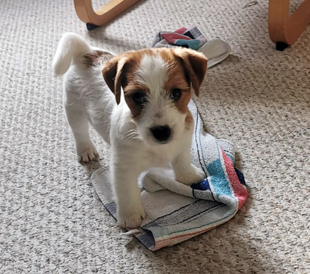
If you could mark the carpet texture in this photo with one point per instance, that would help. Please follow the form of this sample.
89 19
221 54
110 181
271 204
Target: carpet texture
51 220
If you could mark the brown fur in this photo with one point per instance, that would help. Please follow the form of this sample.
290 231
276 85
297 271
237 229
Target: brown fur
119 71
178 78
130 84
96 58
195 65
129 90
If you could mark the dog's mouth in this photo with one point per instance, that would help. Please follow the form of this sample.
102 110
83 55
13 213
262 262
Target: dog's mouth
161 134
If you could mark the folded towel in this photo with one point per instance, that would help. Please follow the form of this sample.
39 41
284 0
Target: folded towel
185 37
215 50
177 212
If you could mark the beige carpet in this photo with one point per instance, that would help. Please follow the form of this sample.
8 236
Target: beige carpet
51 220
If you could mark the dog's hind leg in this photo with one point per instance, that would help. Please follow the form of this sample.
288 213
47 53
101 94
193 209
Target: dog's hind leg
78 121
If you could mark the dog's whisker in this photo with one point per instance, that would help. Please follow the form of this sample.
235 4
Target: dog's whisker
133 134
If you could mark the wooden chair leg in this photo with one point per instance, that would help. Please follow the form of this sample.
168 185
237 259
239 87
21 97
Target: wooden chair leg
102 16
285 29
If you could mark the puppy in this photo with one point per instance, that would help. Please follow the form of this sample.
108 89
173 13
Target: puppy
137 101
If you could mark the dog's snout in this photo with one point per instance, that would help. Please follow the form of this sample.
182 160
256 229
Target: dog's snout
161 133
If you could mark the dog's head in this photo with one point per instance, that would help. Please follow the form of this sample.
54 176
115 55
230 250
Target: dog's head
157 89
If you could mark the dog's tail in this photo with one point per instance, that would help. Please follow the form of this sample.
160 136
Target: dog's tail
70 46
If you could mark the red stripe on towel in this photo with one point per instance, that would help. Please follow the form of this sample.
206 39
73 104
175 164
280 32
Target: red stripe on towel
239 191
181 30
171 37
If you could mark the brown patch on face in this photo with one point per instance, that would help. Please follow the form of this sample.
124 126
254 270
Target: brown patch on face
130 84
129 91
177 79
195 65
182 103
121 72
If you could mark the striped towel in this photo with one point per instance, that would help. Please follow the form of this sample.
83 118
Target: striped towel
177 212
190 37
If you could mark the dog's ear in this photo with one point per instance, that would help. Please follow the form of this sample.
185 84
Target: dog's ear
113 72
195 64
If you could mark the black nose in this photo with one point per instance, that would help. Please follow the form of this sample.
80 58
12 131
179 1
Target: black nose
161 133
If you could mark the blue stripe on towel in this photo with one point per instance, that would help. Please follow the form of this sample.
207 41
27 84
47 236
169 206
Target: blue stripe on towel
203 185
219 182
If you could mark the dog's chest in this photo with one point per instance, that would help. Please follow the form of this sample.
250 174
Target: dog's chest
159 156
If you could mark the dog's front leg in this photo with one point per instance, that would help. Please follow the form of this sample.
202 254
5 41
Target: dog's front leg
184 171
129 206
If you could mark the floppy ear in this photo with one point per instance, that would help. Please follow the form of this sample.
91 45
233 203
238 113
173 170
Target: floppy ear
113 72
195 64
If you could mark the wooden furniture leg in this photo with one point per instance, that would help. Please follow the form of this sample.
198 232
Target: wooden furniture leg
106 13
284 29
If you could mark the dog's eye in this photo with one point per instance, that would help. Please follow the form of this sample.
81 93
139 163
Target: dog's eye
176 94
139 98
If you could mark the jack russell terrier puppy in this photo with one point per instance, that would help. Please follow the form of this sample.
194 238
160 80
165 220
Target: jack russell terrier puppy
137 101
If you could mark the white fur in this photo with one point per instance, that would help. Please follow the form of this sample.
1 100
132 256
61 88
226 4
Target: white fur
87 99
70 46
153 73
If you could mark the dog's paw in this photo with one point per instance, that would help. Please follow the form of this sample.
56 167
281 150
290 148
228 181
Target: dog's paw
87 153
131 217
191 176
